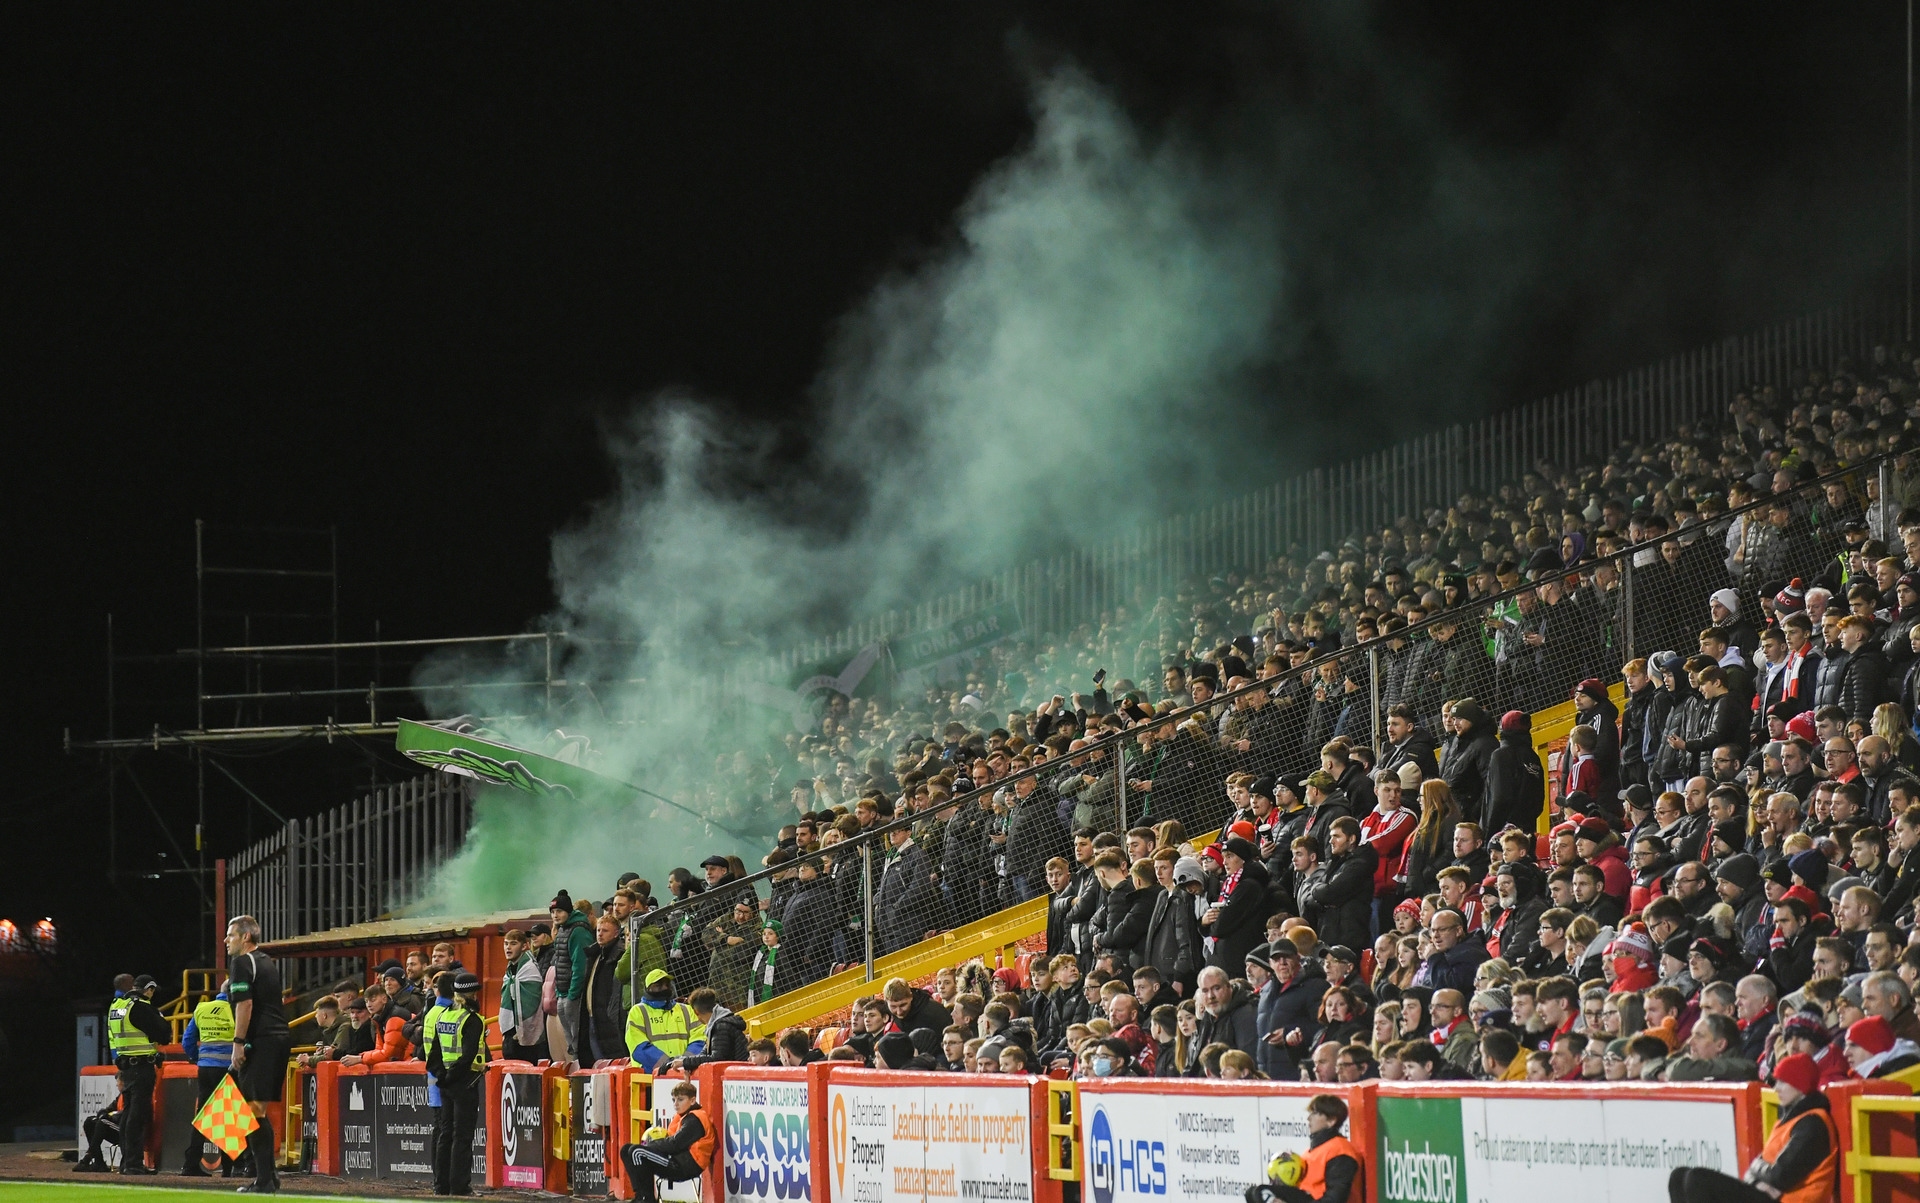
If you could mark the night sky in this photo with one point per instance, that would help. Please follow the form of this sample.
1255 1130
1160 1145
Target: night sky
394 271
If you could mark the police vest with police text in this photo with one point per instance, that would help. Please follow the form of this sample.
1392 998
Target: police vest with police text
447 1023
125 1039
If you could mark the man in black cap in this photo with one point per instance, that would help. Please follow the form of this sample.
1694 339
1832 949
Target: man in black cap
135 1032
457 1061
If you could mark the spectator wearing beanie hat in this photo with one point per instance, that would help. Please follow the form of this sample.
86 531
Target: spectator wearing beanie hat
1806 1032
1633 961
1724 608
1874 1051
1801 1159
1468 762
1515 786
1598 712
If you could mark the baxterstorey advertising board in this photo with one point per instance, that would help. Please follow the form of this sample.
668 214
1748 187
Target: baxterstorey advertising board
907 1142
767 1147
1194 1147
1572 1150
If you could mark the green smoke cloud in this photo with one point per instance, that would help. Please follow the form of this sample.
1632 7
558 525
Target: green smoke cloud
1078 362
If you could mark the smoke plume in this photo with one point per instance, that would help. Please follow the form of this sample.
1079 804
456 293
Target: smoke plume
1078 362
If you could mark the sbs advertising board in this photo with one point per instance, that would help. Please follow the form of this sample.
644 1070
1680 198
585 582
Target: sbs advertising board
1482 1149
767 1143
900 1141
1190 1147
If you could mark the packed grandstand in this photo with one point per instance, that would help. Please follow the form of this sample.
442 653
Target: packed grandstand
1293 824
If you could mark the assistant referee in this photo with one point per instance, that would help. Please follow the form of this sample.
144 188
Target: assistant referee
261 1040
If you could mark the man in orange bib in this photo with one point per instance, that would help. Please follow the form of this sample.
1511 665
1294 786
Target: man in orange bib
1332 1166
1801 1160
686 1151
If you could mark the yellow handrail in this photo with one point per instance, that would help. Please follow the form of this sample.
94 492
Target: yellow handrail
1862 1164
179 1010
997 932
1553 723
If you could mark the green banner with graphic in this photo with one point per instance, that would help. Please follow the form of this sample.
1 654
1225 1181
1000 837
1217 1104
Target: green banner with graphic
1423 1151
501 764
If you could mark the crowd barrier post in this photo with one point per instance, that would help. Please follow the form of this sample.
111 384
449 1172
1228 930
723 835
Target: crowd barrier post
1065 1160
176 1096
326 1108
560 1131
293 1115
1868 1115
819 1129
633 1105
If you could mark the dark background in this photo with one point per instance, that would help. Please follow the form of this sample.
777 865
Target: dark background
391 271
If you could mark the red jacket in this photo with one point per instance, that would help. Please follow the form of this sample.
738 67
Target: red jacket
391 1046
1388 833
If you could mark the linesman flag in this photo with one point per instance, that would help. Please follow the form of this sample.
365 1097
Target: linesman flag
227 1119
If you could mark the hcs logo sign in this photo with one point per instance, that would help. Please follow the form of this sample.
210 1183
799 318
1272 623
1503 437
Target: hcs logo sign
1122 1166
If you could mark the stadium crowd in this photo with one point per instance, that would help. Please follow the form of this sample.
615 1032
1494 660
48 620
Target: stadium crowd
1724 890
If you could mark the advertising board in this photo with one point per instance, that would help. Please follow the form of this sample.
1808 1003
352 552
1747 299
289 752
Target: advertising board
96 1091
1186 1146
403 1128
309 1120
523 1131
1480 1148
896 1140
766 1141
358 1104
587 1164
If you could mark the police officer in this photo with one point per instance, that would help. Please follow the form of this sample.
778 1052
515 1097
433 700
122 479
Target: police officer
135 1031
261 1041
208 1043
660 1027
457 1062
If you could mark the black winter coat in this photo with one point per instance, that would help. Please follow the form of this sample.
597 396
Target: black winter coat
1124 934
1633 734
1863 682
1172 944
1418 748
1242 923
1466 767
1345 898
1516 786
1283 1010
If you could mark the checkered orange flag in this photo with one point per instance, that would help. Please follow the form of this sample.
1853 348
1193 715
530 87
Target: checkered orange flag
227 1119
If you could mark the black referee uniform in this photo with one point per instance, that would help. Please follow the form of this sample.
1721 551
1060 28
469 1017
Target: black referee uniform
256 979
